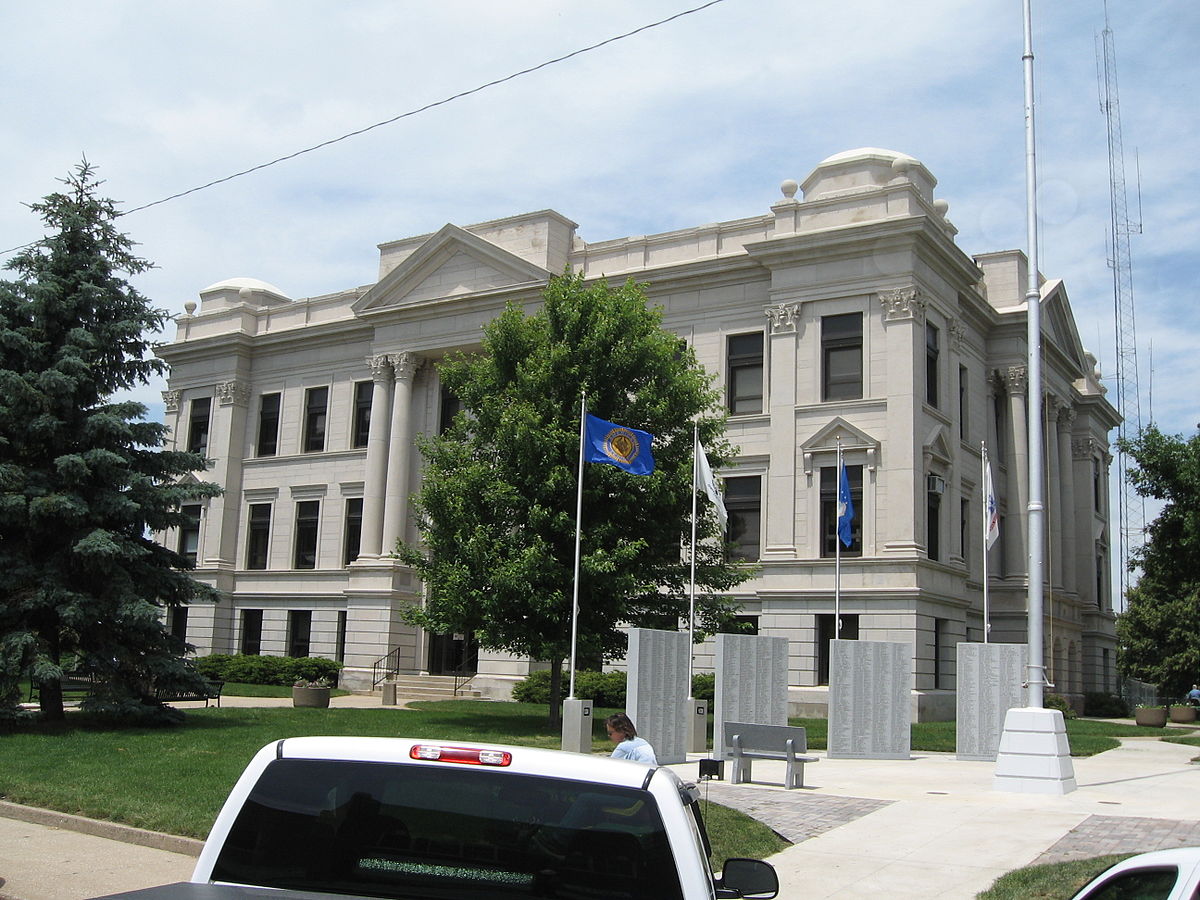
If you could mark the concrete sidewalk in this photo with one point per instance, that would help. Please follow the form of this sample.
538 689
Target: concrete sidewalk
930 826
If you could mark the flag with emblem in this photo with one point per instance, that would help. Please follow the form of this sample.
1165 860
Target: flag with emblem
616 445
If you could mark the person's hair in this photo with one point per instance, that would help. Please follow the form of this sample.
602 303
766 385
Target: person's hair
622 724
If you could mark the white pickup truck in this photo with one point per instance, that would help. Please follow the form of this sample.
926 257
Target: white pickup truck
444 820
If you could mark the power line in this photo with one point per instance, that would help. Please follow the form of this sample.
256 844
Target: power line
429 106
411 112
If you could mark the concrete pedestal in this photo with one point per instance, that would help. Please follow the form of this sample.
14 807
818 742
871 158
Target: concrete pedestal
1034 756
577 726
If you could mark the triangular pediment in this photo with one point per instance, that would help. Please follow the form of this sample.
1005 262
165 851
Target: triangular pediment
452 263
1058 324
825 440
937 445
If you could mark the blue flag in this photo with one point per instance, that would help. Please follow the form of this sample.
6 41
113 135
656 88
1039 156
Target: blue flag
845 509
625 448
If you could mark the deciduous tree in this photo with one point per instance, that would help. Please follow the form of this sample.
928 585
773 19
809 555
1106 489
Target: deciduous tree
1159 631
498 502
84 480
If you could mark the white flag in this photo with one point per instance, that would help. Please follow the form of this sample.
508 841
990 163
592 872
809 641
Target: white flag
991 513
710 484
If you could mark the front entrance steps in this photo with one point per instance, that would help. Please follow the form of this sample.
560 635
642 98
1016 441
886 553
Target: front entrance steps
424 687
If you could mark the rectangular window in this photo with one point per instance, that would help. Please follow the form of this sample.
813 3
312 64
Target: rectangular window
258 535
842 357
933 524
962 403
829 504
745 361
189 533
448 409
316 407
1101 577
198 422
340 651
252 621
308 520
268 425
299 632
825 635
932 352
999 419
352 539
964 530
941 668
743 501
179 616
1097 489
362 413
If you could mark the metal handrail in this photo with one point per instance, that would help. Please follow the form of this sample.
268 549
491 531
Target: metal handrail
387 665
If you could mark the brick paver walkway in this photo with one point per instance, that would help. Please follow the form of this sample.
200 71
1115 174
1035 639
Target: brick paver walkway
1102 835
793 815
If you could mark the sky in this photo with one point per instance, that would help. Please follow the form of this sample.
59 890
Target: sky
691 122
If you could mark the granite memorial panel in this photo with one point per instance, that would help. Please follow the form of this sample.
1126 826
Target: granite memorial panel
990 678
657 690
870 700
752 673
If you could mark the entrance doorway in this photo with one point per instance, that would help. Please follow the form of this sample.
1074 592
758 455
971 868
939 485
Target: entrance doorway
453 654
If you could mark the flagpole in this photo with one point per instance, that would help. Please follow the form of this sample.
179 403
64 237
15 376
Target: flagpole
578 521
692 582
837 550
987 516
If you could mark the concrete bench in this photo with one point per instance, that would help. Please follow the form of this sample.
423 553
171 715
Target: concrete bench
748 742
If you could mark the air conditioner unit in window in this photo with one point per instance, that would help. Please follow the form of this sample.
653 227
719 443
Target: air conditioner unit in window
936 484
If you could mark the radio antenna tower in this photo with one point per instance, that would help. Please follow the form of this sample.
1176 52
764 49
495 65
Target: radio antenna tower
1132 506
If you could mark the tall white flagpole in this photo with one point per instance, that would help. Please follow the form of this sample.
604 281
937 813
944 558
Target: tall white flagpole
837 546
987 517
578 523
692 583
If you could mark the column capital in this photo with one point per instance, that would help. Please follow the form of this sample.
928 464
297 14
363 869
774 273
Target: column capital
1014 379
233 393
902 304
1066 417
405 365
171 401
783 317
380 366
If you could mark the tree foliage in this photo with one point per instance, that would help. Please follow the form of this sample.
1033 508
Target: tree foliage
84 479
498 503
1159 631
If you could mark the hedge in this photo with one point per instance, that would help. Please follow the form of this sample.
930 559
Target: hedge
283 670
604 689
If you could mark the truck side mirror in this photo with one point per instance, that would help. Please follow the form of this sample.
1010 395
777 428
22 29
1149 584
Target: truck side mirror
751 879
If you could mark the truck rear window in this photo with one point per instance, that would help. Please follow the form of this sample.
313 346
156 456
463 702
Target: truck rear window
408 831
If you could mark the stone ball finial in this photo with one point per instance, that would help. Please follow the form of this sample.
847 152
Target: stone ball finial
789 188
941 207
190 307
245 293
901 165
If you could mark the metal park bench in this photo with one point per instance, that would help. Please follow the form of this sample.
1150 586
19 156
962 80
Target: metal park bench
787 743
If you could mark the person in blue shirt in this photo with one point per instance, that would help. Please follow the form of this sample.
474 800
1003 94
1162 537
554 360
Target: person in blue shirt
629 746
1193 696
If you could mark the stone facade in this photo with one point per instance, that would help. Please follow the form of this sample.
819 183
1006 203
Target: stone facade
847 315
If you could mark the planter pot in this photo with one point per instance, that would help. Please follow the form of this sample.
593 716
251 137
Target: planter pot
315 697
1182 714
1151 716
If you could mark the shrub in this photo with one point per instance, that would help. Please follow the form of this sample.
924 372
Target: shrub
704 687
1103 705
282 670
1059 702
604 689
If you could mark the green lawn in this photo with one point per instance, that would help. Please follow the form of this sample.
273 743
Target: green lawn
175 779
1051 881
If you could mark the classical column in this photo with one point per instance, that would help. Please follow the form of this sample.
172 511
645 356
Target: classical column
377 457
395 506
1066 474
1015 380
780 528
226 447
1053 481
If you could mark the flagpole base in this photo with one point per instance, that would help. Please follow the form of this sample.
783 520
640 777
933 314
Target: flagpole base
1034 757
577 726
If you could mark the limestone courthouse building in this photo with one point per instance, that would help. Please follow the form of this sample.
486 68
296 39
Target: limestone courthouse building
843 312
